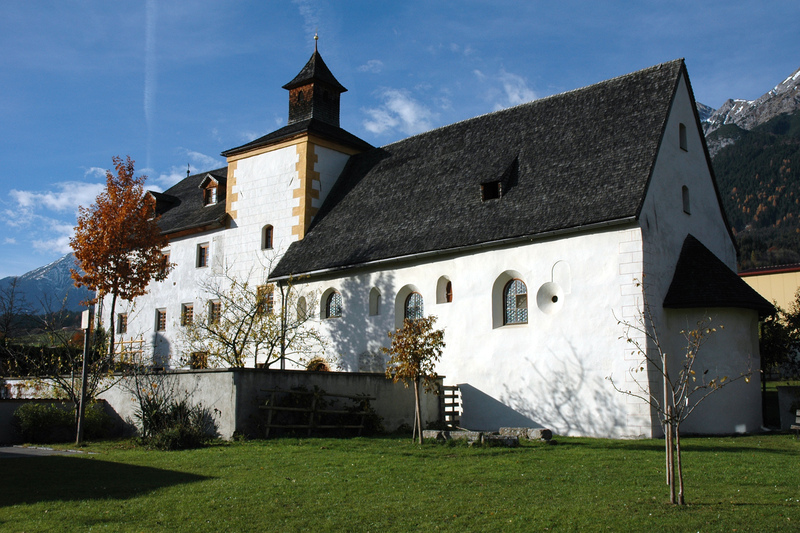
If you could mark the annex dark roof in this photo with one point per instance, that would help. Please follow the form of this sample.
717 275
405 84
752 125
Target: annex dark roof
315 70
702 280
580 158
184 209
312 126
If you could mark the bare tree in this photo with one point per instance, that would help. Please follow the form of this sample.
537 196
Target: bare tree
250 318
685 386
13 308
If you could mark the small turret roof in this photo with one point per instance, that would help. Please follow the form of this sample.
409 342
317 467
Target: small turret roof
315 70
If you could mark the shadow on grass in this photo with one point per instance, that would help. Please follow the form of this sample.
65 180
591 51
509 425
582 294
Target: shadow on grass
37 479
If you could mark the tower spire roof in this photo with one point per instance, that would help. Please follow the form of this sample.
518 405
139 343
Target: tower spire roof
315 70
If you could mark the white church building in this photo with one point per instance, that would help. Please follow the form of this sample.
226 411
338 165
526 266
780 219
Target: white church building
528 232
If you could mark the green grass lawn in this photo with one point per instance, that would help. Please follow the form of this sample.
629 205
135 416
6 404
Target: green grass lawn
388 484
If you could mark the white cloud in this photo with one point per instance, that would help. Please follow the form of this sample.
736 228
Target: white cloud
59 244
310 16
198 162
373 65
516 88
95 172
168 179
10 240
203 161
71 195
506 89
398 111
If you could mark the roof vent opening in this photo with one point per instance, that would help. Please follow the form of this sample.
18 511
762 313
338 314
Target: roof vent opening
491 190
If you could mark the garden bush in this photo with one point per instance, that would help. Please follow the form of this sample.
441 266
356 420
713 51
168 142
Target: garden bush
41 423
169 424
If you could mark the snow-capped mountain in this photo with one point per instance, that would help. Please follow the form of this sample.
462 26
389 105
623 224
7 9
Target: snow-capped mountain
783 98
704 111
49 287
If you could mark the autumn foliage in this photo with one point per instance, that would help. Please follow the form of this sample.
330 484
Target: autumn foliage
415 350
117 240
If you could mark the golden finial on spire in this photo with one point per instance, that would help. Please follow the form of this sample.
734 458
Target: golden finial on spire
316 39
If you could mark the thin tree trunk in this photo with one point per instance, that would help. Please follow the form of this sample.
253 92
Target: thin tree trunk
681 499
670 458
418 421
111 331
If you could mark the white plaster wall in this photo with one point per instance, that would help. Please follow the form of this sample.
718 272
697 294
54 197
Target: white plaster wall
665 226
329 165
265 185
181 286
550 372
736 408
664 223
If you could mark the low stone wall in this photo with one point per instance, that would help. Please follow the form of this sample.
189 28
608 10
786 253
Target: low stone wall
235 395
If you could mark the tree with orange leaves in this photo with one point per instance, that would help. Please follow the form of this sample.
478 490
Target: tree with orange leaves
413 354
118 242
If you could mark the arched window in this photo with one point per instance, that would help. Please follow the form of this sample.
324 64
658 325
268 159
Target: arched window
444 290
266 238
333 305
302 312
413 307
374 302
515 302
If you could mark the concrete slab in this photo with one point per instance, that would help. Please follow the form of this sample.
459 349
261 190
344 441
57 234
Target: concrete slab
8 452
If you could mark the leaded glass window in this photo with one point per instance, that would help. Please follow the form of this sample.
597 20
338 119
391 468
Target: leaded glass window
333 307
413 309
515 302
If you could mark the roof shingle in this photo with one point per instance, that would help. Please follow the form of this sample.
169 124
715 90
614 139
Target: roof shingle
579 158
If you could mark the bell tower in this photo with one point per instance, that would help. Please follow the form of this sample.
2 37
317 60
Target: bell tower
314 93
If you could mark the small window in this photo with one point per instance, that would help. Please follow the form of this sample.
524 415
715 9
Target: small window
214 312
374 302
515 302
682 137
413 307
491 190
161 319
122 323
444 290
333 305
302 310
198 360
165 257
265 299
687 207
202 255
209 196
266 238
187 314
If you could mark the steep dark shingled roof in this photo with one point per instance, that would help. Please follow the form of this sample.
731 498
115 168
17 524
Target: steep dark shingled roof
701 280
323 129
315 69
570 160
185 209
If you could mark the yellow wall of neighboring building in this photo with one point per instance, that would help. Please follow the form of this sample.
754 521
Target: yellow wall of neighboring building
779 287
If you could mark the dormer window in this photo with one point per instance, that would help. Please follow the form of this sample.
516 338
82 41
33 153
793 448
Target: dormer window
209 195
213 189
491 190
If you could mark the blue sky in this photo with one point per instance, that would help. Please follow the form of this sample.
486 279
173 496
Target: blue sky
176 83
